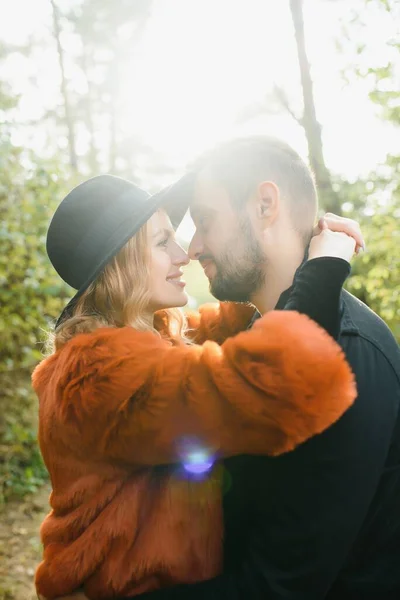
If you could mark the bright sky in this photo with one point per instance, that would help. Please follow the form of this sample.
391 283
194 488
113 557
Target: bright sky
201 63
212 58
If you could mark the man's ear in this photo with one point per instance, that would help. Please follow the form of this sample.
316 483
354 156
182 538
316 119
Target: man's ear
267 202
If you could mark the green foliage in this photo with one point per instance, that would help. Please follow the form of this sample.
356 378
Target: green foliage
376 274
21 467
31 294
375 203
388 5
386 94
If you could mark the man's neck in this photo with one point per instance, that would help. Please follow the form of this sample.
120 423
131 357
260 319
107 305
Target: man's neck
279 277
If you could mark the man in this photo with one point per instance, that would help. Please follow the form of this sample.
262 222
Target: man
322 521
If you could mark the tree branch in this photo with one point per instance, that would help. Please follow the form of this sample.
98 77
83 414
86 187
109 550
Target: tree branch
283 100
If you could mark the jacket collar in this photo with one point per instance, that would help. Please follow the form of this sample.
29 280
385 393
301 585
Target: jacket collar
347 325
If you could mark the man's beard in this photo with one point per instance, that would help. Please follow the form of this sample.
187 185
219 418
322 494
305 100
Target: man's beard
240 270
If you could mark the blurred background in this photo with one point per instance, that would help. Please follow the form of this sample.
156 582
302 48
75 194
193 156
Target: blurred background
139 88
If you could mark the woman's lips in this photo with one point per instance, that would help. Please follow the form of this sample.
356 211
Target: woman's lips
177 282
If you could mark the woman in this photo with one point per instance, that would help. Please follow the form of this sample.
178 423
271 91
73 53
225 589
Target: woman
127 389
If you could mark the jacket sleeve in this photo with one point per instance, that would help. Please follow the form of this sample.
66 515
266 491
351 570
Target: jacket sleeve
310 504
263 391
317 290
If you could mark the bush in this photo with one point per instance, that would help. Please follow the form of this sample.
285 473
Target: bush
31 296
21 466
376 274
31 293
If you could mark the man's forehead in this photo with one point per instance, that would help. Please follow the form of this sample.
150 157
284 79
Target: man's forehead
208 194
205 179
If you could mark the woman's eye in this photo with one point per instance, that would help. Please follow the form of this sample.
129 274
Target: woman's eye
163 243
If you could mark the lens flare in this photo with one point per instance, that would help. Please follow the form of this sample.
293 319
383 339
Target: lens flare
198 462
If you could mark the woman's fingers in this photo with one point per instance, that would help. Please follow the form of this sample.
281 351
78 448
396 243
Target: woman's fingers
343 225
332 243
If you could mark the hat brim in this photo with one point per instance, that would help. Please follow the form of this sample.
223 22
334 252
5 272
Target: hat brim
174 199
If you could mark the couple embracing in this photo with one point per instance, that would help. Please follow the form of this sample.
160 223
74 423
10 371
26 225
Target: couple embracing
250 450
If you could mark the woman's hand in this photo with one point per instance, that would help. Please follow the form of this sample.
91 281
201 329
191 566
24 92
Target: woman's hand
341 224
337 237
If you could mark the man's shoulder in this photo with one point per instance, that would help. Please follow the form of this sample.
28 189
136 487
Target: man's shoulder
357 319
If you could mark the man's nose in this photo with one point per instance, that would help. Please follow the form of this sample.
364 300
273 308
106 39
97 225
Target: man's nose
196 247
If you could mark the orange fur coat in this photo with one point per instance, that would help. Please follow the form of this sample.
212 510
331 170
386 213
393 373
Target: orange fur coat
116 402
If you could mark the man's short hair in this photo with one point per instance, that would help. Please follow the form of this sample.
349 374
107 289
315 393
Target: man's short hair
241 164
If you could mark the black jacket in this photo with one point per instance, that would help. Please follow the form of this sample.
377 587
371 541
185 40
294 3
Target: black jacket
322 521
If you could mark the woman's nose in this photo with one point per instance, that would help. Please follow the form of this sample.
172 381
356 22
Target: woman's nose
181 257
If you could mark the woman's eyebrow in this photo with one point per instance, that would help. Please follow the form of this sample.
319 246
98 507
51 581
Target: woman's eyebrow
165 232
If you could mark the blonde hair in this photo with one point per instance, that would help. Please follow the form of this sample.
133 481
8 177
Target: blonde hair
119 297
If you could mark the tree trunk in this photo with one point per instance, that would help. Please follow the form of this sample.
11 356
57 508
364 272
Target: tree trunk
89 112
113 88
113 138
67 107
328 197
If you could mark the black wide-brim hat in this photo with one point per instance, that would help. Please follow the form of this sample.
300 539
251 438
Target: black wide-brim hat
96 219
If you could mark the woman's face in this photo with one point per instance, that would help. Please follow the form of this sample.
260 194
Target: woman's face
166 259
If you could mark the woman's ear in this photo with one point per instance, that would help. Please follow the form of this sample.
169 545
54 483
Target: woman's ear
267 202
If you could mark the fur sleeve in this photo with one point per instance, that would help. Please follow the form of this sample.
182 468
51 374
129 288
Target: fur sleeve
217 321
131 397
